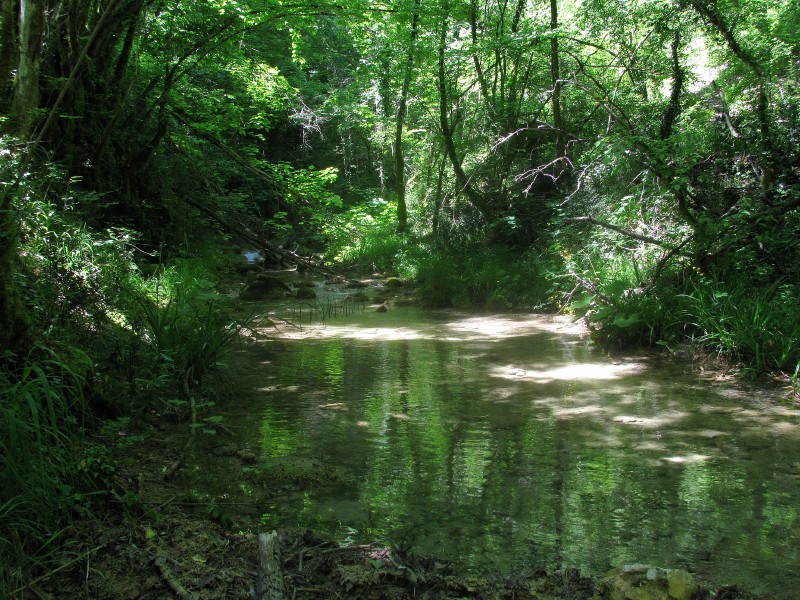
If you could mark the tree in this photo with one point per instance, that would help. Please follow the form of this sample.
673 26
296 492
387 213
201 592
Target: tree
402 109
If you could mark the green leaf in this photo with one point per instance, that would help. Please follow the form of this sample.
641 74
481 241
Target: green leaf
584 302
616 288
625 321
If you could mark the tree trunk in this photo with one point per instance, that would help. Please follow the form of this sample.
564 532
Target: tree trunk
8 53
26 89
555 76
13 320
399 158
769 166
674 107
462 181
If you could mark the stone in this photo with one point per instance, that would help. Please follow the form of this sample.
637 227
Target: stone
381 309
264 287
393 283
305 293
681 585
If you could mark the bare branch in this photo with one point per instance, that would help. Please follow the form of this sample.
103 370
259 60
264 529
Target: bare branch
625 232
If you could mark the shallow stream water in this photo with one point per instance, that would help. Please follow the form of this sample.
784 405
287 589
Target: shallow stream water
507 443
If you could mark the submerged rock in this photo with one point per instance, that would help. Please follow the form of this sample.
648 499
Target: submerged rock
641 582
305 293
681 585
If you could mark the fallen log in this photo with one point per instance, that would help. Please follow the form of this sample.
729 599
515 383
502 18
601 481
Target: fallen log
269 581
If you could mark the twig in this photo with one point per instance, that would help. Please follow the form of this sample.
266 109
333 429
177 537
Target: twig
174 584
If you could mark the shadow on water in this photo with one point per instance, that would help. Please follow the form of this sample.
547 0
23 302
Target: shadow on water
503 443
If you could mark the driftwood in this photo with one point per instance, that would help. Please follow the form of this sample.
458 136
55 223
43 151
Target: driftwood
269 582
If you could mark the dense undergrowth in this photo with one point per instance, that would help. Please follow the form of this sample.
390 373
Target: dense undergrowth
113 334
628 294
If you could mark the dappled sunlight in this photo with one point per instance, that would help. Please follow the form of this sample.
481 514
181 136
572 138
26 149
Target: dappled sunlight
506 326
687 459
578 411
495 421
665 419
573 372
404 324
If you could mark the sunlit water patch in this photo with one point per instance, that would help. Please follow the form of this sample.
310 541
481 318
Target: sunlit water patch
506 443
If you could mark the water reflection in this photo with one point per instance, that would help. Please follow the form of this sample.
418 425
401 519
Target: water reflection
505 443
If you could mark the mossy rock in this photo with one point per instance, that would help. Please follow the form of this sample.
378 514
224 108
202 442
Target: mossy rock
642 582
305 293
305 284
359 297
356 285
264 287
393 283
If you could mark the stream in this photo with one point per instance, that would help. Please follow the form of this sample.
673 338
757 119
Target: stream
504 443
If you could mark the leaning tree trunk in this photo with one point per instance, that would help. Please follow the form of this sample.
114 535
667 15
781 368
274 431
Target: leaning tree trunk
462 181
26 89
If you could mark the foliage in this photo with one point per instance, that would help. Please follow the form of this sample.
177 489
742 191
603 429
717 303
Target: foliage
488 277
366 235
185 323
43 481
636 161
758 326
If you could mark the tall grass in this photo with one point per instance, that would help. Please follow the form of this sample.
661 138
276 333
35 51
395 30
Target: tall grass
759 326
186 325
41 479
102 332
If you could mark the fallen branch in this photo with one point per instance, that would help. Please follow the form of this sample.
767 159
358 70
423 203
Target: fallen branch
172 582
258 240
590 287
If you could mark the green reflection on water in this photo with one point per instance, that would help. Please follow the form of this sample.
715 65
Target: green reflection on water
522 450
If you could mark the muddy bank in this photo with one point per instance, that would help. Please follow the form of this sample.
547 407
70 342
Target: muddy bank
182 556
